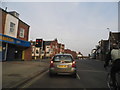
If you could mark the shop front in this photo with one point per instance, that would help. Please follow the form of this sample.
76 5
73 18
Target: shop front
13 48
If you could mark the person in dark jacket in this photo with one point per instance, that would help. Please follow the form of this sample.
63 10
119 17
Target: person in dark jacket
114 56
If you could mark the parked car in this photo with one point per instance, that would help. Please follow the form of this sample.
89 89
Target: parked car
62 64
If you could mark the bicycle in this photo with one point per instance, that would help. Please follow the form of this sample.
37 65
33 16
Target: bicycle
109 81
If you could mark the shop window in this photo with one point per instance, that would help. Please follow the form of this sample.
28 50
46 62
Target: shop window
42 52
12 27
37 51
47 52
22 32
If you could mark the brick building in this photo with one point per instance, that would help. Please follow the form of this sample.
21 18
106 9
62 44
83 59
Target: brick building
101 49
48 49
106 45
74 54
14 35
61 48
114 39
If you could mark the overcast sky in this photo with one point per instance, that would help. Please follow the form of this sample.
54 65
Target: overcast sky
78 25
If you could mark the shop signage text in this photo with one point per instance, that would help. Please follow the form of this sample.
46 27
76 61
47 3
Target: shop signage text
12 40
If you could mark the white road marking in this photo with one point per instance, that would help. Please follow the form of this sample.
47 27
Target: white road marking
78 76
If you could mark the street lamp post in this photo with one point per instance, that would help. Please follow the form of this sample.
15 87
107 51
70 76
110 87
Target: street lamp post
109 39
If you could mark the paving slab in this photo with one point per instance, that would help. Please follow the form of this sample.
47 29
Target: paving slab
15 73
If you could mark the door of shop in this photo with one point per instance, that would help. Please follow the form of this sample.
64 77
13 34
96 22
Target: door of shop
18 54
14 52
10 52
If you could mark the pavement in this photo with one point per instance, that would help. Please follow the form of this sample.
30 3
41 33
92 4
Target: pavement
16 73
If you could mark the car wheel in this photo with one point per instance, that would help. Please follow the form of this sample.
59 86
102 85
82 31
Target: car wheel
51 74
74 75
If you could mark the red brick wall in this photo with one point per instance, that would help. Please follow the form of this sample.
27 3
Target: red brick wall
2 20
63 47
67 51
28 54
55 44
59 45
26 28
74 54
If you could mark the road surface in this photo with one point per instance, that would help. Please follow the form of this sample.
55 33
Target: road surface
90 74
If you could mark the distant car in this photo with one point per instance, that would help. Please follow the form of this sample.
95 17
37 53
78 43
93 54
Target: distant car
80 56
62 64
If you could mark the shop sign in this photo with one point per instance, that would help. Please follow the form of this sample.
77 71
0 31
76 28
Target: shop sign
7 39
16 41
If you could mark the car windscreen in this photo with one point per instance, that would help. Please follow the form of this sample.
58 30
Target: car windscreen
66 58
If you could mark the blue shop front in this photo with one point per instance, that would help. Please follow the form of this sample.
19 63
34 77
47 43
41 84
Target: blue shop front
12 48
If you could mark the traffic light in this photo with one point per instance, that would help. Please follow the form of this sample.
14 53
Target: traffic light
39 42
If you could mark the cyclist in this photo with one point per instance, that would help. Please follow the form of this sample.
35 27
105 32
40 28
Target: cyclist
114 56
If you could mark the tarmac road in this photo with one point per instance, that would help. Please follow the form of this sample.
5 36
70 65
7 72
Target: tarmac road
90 74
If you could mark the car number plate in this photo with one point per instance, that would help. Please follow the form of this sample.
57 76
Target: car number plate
62 66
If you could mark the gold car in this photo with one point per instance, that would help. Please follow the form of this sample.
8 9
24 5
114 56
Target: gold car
62 64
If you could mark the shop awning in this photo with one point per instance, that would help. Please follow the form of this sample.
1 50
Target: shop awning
12 40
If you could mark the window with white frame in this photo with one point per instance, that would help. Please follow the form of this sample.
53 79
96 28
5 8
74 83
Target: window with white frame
12 27
48 47
37 51
42 52
47 52
22 32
